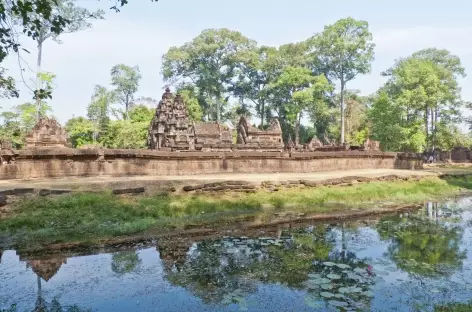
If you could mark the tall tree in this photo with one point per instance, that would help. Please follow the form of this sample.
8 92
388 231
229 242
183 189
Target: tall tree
209 61
20 121
256 71
98 110
32 14
426 89
80 131
77 19
343 51
297 89
125 79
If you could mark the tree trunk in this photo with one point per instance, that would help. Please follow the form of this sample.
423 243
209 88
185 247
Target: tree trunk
38 81
297 129
426 115
262 114
342 111
432 128
218 117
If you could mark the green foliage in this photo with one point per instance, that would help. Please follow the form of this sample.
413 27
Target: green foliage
124 262
125 79
209 61
98 110
422 245
342 51
16 124
424 87
34 18
454 307
90 216
258 68
80 131
391 129
192 102
130 133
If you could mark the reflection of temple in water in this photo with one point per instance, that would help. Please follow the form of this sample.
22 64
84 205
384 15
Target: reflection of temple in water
46 269
173 253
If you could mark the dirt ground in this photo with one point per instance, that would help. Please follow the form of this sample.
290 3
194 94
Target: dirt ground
158 182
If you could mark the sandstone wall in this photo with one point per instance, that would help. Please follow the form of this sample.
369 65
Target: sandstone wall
49 163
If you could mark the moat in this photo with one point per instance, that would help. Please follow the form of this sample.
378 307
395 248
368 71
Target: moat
409 261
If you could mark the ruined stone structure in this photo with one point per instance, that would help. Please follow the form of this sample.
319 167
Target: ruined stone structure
47 133
67 162
371 145
254 138
212 136
171 129
5 144
46 269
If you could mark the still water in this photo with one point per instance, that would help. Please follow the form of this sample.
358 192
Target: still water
414 261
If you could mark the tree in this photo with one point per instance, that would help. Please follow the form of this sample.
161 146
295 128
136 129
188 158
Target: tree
77 19
32 14
98 111
130 133
391 128
125 79
424 90
343 51
80 131
20 121
192 102
255 73
298 89
209 61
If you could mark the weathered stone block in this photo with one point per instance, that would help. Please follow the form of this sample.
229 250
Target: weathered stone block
134 190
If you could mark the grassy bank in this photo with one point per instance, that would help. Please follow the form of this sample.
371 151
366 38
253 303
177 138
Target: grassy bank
91 216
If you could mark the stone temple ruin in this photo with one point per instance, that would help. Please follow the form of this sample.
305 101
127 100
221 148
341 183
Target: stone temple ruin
254 138
47 133
172 130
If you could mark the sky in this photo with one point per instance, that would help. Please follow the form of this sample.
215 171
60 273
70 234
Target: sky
143 31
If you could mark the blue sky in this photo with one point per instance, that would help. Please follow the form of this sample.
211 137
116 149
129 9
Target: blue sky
144 30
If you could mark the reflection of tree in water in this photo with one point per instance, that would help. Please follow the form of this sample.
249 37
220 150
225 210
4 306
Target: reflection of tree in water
55 306
342 281
125 262
226 270
425 243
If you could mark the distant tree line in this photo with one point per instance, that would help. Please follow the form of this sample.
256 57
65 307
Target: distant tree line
222 74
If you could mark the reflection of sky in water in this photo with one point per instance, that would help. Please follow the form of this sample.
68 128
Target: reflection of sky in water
90 282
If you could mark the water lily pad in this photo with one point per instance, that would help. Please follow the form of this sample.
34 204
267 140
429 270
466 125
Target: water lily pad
337 303
320 281
333 276
314 276
359 270
327 286
339 296
329 264
356 289
368 293
344 290
326 294
343 266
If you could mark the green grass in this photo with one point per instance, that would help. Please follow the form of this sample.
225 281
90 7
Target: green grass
93 216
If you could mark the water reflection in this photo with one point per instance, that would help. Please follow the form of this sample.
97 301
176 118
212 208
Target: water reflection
417 260
425 242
